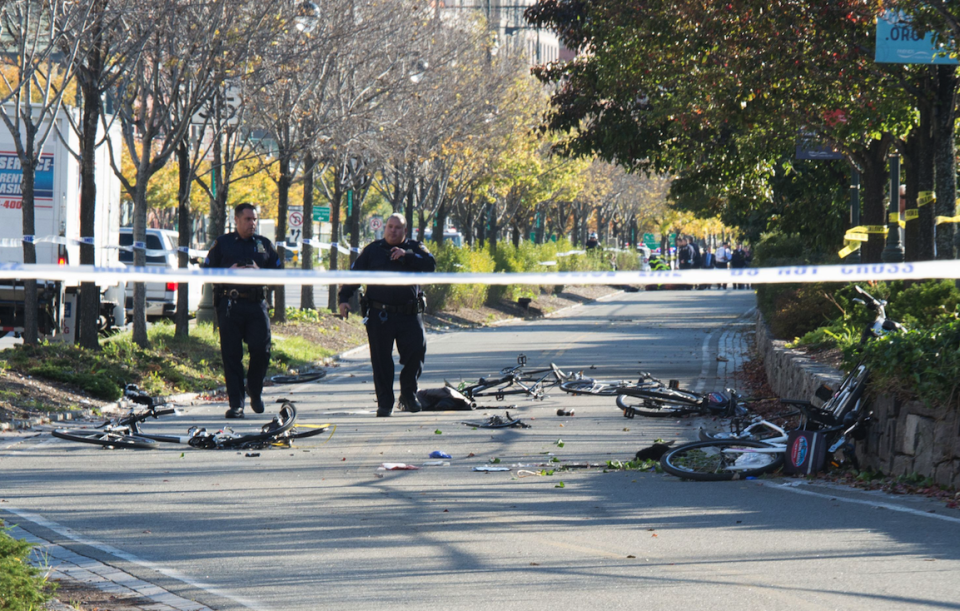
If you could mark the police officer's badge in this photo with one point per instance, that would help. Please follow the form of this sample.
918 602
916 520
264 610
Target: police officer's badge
260 249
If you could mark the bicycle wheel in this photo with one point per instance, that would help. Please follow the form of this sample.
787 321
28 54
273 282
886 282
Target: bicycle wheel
107 439
298 432
300 378
653 408
851 389
708 461
587 386
660 393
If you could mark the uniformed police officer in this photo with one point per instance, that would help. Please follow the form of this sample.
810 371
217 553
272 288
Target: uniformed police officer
242 309
393 314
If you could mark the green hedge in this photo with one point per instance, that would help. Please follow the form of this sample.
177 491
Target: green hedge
23 586
528 257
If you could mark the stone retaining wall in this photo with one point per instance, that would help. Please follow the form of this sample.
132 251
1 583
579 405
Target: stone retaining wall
903 437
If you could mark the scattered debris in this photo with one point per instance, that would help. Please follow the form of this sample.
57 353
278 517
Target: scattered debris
252 454
496 422
654 452
565 412
439 454
487 469
396 466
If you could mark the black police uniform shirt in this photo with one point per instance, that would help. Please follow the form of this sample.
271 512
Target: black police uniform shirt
230 249
376 258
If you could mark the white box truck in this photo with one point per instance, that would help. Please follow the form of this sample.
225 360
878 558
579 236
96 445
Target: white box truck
57 214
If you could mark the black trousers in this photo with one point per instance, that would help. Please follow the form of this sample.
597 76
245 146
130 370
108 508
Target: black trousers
406 331
243 321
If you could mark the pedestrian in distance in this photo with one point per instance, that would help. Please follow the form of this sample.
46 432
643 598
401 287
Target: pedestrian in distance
738 260
241 309
392 314
592 241
706 262
722 260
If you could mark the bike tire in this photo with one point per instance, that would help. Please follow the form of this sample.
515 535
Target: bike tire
301 378
107 439
587 386
652 408
660 393
851 389
711 461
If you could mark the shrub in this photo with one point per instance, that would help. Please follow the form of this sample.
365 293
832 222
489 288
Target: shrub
22 585
920 362
451 258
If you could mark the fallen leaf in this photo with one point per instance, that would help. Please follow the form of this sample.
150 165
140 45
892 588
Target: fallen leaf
534 564
631 556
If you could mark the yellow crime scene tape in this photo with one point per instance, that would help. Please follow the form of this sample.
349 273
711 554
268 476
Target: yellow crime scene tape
856 235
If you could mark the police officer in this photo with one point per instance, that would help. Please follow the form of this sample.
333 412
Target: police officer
242 309
393 314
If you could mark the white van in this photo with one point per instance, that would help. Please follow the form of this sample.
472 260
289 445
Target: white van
161 296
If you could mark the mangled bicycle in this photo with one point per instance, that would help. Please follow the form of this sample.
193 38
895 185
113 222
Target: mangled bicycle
126 431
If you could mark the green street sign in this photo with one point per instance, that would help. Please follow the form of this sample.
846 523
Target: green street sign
321 214
651 241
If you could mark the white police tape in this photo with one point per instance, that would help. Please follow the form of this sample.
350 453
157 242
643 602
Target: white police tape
750 275
51 239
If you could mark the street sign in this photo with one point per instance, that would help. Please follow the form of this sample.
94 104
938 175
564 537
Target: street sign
651 241
898 43
321 214
376 223
295 219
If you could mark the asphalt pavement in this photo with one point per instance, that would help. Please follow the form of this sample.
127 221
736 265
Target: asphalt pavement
319 526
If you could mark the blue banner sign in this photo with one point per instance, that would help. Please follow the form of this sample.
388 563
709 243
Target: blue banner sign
11 175
898 43
809 146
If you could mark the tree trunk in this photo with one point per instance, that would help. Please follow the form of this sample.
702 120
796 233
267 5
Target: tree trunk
334 232
283 199
306 253
139 255
440 221
31 305
89 336
945 157
918 160
182 316
408 210
874 176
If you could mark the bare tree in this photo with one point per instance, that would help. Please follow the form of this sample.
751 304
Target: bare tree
42 67
190 49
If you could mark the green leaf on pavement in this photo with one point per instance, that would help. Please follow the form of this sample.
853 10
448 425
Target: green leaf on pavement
560 485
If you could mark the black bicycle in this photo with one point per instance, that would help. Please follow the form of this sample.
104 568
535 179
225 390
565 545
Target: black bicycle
608 388
125 432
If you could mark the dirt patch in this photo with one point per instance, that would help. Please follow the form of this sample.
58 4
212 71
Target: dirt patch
23 397
84 597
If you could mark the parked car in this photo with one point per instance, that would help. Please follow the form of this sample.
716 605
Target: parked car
161 296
